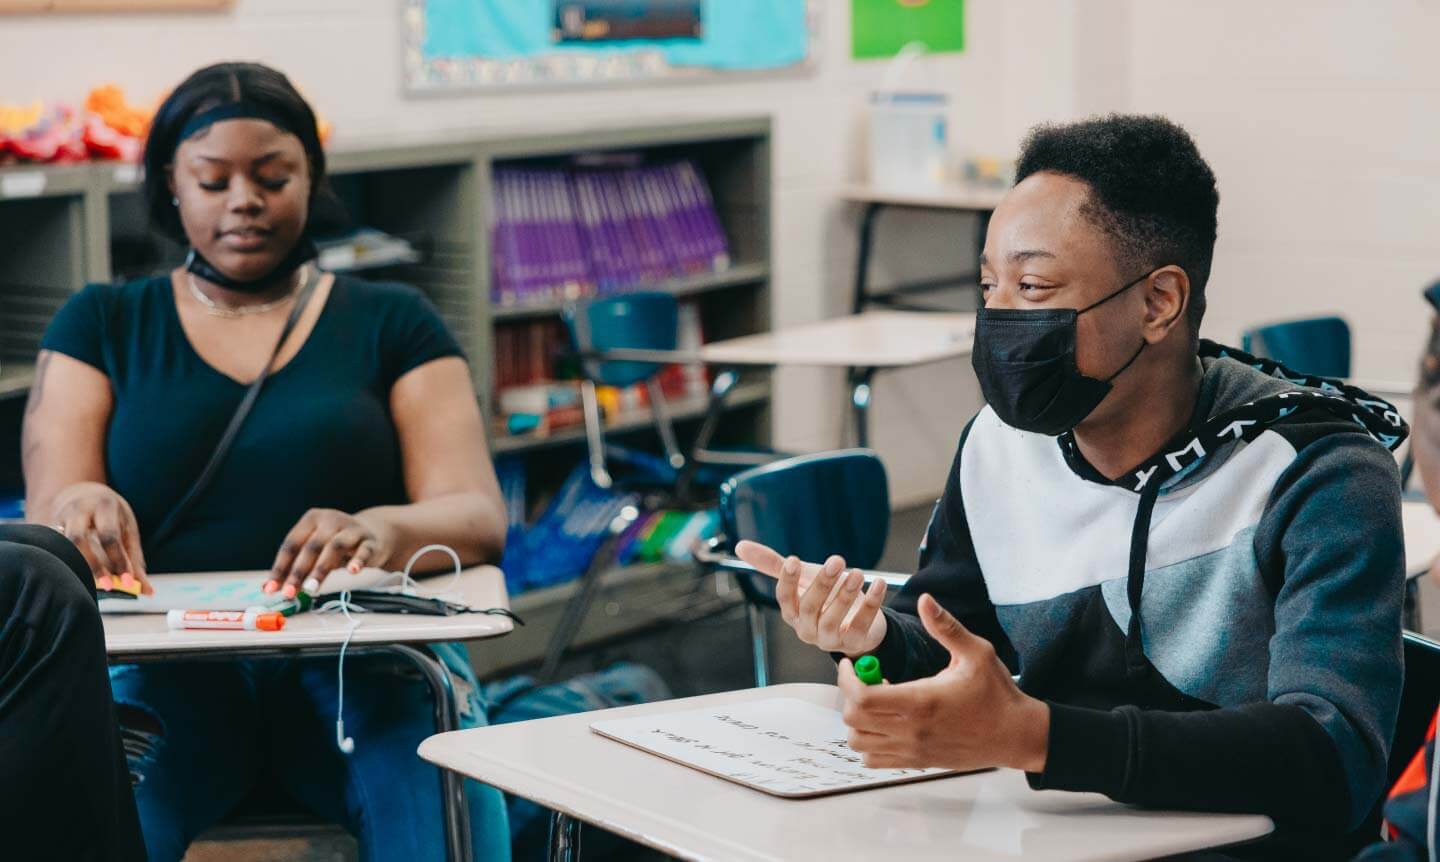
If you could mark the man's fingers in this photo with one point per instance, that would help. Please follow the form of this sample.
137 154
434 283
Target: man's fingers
891 761
812 600
863 613
847 591
767 561
945 628
818 593
787 591
762 557
870 742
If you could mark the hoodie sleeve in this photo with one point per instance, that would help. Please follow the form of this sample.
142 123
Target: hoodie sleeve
950 572
1315 753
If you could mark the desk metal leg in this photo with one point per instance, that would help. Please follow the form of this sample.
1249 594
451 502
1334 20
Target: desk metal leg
862 260
860 402
564 838
447 718
759 650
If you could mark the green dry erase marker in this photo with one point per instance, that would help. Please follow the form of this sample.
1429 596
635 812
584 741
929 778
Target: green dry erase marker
298 605
867 668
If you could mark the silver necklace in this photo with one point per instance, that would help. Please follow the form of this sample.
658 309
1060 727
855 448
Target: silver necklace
215 309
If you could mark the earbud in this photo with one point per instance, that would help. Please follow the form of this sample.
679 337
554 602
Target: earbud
345 743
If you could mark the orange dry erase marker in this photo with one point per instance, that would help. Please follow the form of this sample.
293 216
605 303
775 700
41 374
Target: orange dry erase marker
252 620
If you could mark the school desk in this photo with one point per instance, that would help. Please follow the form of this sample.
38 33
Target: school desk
136 638
866 343
561 764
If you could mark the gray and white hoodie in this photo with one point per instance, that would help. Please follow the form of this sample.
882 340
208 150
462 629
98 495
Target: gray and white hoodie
1219 629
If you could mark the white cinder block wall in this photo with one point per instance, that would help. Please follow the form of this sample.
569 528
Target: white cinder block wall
1322 121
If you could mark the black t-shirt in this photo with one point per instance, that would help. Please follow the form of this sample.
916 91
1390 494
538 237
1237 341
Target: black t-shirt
319 435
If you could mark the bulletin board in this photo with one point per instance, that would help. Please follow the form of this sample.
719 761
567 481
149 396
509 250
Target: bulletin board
466 45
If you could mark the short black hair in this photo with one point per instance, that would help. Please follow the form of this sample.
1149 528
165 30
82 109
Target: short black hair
1151 192
211 87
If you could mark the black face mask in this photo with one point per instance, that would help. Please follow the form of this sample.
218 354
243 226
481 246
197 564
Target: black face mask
303 252
1025 359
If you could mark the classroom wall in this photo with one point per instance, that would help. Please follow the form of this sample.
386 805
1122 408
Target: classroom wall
1321 119
345 55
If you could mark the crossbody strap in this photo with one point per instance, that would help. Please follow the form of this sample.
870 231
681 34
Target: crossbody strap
167 527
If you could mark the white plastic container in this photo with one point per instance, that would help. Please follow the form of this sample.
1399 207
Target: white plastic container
908 135
908 140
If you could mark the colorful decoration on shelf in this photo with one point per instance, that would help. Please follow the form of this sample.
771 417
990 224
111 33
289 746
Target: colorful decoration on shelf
108 127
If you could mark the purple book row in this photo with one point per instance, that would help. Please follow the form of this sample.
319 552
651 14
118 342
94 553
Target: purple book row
566 233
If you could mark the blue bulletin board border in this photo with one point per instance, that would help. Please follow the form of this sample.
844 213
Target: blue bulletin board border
481 46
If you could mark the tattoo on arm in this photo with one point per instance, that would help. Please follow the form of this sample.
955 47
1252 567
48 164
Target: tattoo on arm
37 389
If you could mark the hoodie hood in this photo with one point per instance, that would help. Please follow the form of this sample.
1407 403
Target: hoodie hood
1240 397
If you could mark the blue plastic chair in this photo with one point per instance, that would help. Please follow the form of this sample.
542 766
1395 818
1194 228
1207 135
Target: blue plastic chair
1321 346
1318 345
632 321
810 506
647 321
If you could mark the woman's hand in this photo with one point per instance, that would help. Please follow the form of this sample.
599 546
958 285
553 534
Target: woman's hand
102 525
824 604
325 540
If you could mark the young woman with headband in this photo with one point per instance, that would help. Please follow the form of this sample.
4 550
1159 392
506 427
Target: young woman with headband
364 443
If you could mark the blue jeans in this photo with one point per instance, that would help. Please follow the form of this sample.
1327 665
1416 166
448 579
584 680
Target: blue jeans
201 737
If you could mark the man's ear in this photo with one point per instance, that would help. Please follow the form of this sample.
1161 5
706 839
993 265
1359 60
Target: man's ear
1167 298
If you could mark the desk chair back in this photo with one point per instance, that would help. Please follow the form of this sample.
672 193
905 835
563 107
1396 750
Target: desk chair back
1318 345
811 506
631 321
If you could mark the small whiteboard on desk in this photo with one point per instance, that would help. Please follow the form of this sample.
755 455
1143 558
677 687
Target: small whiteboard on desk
228 591
782 746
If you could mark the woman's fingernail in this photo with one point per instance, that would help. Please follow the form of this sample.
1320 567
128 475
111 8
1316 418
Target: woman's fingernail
289 591
270 587
354 567
106 583
127 579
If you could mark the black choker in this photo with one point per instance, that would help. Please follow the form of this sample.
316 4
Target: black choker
303 252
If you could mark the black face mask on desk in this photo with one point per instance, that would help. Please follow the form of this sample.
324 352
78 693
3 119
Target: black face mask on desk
1025 362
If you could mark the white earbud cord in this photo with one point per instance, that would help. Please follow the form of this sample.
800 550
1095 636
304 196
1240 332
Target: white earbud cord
407 585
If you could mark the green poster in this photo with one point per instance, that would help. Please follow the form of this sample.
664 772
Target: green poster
880 28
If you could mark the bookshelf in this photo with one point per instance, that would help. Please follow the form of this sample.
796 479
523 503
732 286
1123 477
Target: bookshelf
71 225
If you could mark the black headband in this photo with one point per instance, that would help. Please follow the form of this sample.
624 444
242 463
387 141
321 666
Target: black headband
234 111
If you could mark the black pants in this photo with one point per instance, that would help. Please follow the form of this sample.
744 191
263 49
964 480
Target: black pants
64 786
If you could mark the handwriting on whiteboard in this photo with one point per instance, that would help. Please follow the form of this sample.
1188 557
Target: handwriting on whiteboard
783 746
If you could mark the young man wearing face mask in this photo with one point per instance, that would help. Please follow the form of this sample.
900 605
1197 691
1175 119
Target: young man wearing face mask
1192 558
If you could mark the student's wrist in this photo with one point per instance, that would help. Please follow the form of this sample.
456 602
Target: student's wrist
877 639
1031 739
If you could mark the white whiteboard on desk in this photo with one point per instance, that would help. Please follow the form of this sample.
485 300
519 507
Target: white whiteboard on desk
782 746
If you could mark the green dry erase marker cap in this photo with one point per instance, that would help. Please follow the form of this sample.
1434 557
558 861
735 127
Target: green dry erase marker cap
867 667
